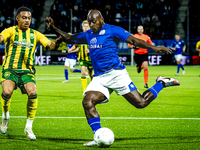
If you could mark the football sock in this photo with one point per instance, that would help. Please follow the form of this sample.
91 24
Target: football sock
84 83
146 75
31 106
182 66
66 74
5 102
77 70
156 88
178 67
6 115
29 123
94 123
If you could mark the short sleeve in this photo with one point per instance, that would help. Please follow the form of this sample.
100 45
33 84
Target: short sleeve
7 33
80 38
149 40
120 33
42 39
173 44
198 45
182 43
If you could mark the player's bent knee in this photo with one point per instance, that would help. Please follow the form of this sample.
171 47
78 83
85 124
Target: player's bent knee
87 103
31 91
7 92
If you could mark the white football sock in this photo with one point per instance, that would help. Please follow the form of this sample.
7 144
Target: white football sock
29 123
6 115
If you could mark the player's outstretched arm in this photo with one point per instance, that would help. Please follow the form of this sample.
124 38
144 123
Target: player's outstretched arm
55 44
140 43
65 36
74 49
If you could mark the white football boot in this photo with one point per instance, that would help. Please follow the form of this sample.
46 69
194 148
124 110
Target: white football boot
28 131
167 81
4 125
66 81
91 143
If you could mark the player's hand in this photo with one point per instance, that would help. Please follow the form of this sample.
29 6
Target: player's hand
87 50
70 50
162 49
49 22
58 40
63 51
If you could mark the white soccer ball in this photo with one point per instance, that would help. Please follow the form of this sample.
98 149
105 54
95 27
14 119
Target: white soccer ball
104 137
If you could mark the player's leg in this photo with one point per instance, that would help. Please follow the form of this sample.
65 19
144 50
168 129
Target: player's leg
66 71
95 93
30 88
178 67
146 73
181 66
138 61
83 77
72 66
7 90
90 70
142 100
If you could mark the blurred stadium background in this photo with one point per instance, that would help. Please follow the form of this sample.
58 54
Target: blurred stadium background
161 20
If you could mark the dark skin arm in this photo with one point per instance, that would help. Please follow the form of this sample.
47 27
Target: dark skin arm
140 43
65 36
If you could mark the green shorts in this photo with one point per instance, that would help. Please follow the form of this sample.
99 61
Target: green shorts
20 77
85 63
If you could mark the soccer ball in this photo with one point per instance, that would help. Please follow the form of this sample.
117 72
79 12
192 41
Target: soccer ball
104 137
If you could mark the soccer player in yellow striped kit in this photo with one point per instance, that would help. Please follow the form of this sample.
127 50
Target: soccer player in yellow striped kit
18 66
84 58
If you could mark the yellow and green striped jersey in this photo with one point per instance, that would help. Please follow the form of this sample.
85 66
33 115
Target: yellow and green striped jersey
83 55
20 47
198 46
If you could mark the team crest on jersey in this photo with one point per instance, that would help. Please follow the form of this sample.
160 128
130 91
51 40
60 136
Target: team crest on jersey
102 32
32 35
7 74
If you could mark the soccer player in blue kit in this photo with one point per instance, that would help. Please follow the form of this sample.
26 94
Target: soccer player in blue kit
70 61
109 73
179 47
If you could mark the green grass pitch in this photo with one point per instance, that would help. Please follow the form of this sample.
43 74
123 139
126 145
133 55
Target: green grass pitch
170 122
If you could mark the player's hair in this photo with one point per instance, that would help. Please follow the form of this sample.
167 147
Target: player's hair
85 22
140 26
20 9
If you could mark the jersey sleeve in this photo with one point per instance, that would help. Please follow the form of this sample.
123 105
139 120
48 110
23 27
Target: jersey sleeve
7 33
173 44
42 39
198 45
183 43
80 38
120 33
149 40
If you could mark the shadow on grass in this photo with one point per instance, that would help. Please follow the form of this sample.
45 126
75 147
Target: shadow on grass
181 139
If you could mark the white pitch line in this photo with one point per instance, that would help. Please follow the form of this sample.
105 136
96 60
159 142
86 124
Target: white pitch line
140 118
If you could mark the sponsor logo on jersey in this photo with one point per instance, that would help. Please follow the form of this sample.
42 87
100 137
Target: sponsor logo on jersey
93 44
93 40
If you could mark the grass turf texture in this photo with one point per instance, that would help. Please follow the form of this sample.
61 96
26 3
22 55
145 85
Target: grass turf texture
165 124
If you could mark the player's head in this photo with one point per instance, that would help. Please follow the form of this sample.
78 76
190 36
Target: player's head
177 37
85 26
140 29
95 20
23 16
